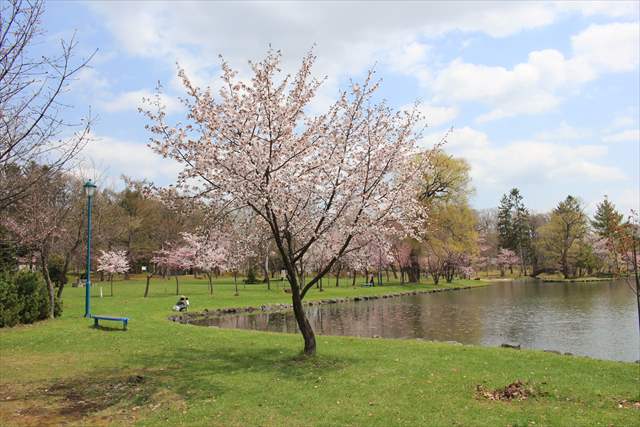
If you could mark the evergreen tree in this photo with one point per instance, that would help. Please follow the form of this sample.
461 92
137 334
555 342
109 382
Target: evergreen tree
521 235
505 222
513 226
606 219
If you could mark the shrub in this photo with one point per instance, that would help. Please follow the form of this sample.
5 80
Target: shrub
24 299
10 303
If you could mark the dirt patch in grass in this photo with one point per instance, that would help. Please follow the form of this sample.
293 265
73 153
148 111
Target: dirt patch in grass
635 404
72 400
517 390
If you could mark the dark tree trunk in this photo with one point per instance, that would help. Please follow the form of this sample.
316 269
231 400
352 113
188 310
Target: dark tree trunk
44 260
177 285
111 282
338 276
353 283
303 322
146 288
210 283
235 282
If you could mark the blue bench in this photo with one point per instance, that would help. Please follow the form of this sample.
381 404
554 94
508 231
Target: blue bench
124 320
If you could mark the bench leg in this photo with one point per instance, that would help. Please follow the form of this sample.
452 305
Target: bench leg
125 323
95 322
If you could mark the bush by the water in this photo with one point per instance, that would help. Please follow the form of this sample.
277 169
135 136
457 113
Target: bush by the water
24 299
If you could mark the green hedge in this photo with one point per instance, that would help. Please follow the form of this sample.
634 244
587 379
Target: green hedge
24 299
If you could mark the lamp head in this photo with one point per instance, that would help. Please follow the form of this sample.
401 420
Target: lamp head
89 188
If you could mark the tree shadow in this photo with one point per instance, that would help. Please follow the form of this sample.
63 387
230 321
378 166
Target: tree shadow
192 372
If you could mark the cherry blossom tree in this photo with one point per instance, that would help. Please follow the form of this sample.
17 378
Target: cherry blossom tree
506 258
210 253
354 169
113 262
175 258
38 221
401 252
240 243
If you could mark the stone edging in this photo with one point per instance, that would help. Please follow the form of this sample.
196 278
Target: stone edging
201 315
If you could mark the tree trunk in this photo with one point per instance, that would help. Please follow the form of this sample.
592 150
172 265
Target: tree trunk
210 283
177 285
353 283
111 280
44 259
235 282
338 276
146 288
266 272
302 321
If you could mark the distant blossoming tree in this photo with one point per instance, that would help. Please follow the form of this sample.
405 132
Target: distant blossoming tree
113 262
351 170
506 259
210 253
174 259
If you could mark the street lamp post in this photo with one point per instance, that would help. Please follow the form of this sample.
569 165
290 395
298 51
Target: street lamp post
89 189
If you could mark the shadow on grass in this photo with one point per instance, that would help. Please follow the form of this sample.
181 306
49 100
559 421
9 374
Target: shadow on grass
194 373
107 328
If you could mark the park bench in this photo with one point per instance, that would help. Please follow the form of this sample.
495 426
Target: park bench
124 320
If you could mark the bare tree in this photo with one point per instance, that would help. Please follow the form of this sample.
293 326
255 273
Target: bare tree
33 128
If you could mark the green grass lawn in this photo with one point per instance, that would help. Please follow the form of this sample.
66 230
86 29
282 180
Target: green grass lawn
163 373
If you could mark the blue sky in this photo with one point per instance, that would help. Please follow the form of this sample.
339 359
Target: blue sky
541 96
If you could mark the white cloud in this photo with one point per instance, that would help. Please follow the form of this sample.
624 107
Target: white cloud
611 47
521 162
114 157
613 9
629 135
538 85
411 59
131 101
350 36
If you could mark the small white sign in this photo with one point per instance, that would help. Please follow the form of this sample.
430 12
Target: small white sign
144 268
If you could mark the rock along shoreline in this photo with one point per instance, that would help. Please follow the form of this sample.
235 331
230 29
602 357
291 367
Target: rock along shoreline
198 316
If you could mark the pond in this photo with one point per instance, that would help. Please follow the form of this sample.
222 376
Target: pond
597 319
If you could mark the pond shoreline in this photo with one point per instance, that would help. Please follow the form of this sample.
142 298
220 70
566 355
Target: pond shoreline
188 318
577 280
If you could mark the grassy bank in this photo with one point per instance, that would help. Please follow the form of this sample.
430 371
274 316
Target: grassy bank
163 373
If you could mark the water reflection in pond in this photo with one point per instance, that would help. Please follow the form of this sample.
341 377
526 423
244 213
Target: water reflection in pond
593 319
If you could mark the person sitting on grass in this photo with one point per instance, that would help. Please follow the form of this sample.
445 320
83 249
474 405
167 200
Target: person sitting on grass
182 304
